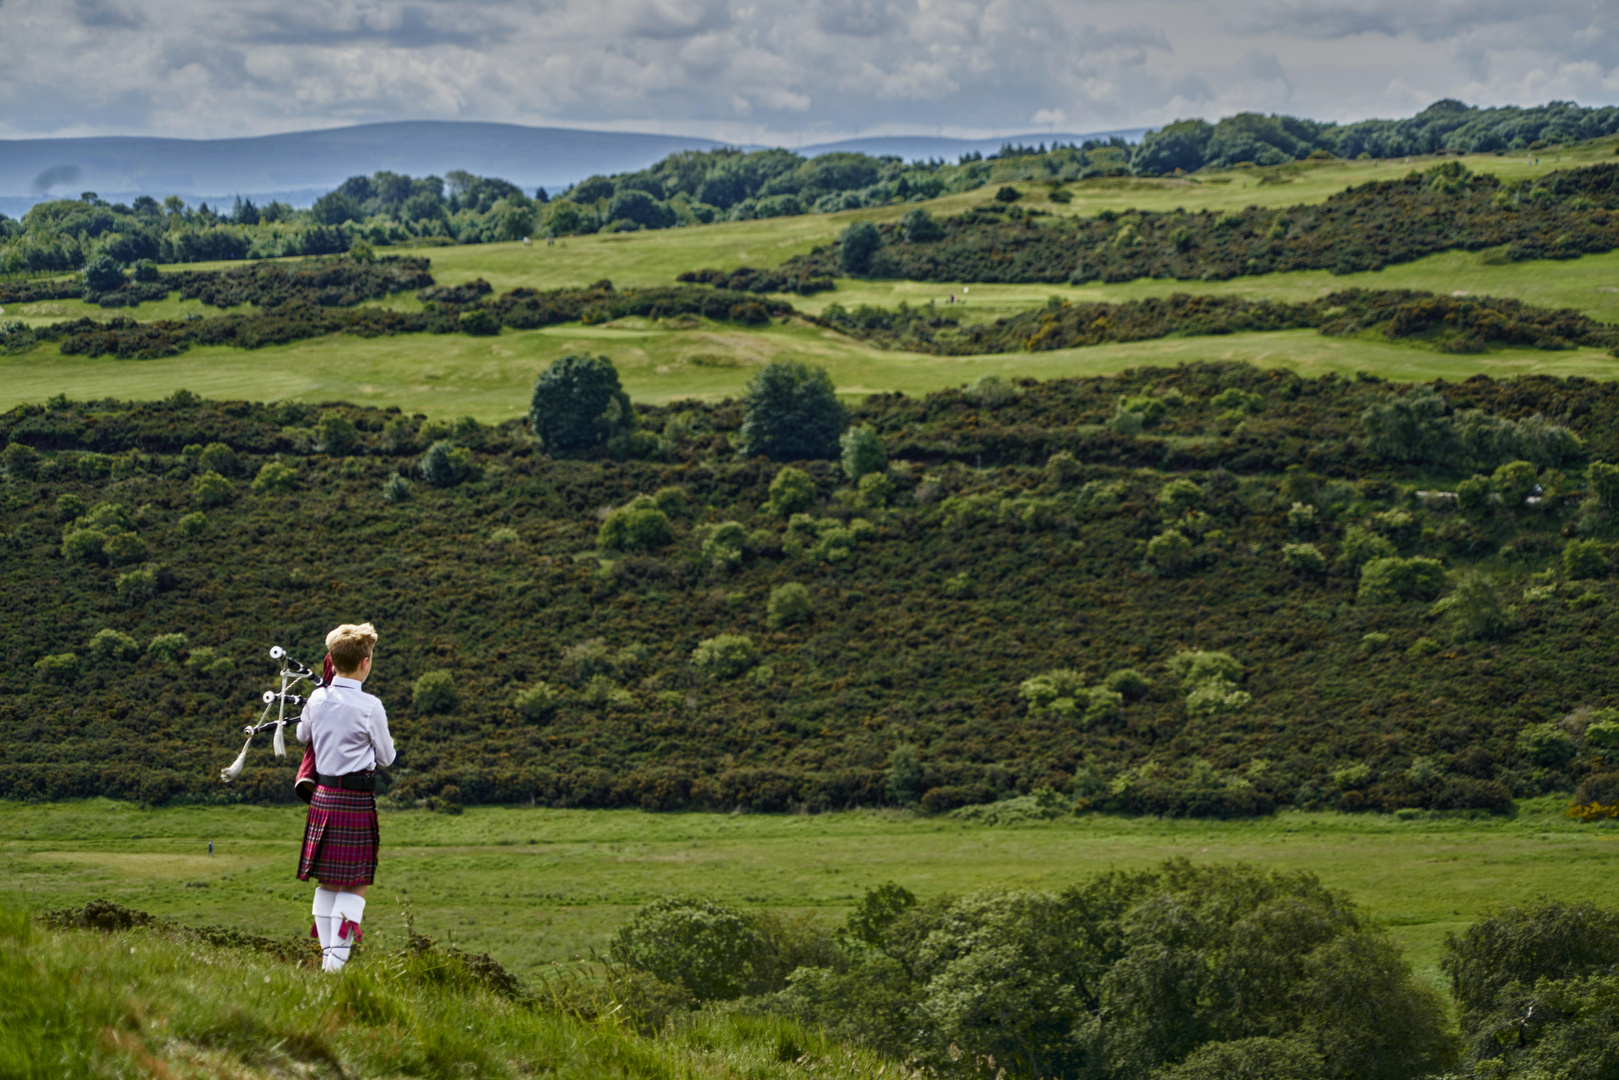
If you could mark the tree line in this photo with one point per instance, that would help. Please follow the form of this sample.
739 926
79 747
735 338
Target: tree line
1180 972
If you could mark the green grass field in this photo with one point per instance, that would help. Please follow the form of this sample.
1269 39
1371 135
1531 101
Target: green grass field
491 378
535 885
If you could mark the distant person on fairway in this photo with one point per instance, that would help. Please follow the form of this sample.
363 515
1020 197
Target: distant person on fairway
349 730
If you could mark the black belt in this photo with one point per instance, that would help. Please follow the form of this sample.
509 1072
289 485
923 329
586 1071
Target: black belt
354 781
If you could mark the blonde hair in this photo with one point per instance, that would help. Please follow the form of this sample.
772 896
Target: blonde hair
350 645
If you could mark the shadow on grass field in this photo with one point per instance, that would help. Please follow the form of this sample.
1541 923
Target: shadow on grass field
535 885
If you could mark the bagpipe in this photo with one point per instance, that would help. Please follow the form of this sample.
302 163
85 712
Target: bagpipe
292 674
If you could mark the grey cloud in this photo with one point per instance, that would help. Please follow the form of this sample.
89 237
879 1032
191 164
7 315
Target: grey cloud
102 14
1267 68
669 20
1431 21
775 71
861 18
411 27
54 176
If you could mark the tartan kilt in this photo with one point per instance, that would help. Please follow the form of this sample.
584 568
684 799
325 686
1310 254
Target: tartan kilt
340 837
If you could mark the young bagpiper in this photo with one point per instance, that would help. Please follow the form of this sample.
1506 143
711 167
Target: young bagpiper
349 729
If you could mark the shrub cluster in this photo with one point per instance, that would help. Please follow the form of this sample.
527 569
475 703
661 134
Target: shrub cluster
1563 214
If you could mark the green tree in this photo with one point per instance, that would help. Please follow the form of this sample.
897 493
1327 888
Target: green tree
1475 609
444 465
1604 480
904 775
1514 480
275 478
724 656
918 227
1584 559
1413 427
710 949
1387 581
789 603
791 492
434 692
1169 552
856 246
1361 545
792 413
862 452
102 274
1178 496
336 434
636 526
210 489
579 404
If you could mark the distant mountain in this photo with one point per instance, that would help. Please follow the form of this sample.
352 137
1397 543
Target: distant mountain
298 166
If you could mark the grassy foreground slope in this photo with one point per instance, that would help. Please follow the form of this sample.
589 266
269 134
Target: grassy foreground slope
161 1003
532 886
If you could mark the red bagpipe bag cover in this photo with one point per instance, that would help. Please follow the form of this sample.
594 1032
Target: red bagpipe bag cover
304 784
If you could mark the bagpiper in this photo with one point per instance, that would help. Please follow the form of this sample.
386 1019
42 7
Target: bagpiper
348 730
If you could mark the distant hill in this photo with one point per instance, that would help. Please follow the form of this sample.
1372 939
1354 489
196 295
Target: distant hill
297 167
923 147
301 165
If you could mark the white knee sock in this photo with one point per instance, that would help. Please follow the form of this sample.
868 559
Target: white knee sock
324 930
346 916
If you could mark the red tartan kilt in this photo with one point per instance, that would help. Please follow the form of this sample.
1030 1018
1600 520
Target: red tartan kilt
340 838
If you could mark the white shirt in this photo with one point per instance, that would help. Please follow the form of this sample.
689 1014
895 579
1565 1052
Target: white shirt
349 726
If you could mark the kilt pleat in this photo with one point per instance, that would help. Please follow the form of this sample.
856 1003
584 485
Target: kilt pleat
340 838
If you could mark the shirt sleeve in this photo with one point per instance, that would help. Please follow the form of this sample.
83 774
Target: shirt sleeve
304 730
381 741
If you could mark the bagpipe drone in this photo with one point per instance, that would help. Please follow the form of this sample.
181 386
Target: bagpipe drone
292 674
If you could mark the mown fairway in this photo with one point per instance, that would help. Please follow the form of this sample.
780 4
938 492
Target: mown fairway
535 885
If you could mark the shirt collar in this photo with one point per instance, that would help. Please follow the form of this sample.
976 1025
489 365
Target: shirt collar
344 680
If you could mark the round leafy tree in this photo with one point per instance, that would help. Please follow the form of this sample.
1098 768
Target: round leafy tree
793 413
857 245
579 404
102 274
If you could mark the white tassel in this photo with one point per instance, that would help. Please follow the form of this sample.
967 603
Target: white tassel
235 769
280 743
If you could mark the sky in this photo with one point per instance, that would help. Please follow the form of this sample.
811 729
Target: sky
780 72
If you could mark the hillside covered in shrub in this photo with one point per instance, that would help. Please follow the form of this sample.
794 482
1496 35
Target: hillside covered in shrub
1206 590
1563 214
1453 324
